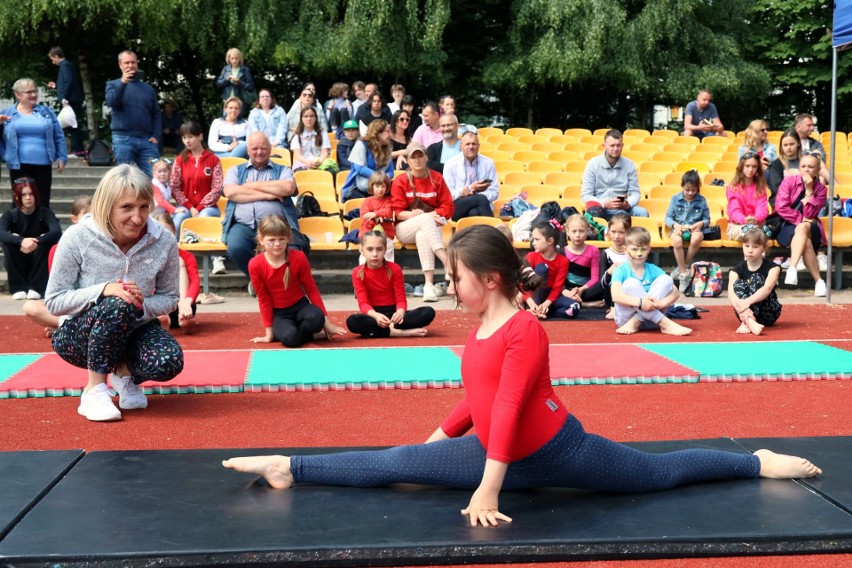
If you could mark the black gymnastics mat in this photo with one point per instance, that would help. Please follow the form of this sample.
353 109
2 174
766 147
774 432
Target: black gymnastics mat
25 477
181 508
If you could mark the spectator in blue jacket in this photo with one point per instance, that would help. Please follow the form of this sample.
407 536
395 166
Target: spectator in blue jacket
136 122
69 92
235 80
33 141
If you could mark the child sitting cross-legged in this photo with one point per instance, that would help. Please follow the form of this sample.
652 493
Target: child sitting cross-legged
751 286
641 291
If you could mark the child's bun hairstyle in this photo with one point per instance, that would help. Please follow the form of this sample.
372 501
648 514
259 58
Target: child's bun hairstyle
550 229
622 217
638 236
691 177
484 250
755 236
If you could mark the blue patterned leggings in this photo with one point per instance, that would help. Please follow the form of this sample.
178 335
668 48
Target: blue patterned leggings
103 336
572 458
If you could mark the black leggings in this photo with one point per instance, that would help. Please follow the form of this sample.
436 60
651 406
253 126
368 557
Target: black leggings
295 325
362 324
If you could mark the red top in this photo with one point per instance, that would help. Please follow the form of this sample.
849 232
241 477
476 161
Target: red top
382 208
376 289
268 283
557 271
161 201
197 182
508 395
191 273
434 193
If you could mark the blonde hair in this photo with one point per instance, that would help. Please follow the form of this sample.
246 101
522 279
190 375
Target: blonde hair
577 217
755 236
276 226
115 182
378 235
230 100
752 134
638 236
234 51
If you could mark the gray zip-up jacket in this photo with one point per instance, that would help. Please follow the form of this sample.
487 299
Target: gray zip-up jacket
87 260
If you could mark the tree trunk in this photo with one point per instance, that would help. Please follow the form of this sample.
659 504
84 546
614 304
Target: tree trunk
86 80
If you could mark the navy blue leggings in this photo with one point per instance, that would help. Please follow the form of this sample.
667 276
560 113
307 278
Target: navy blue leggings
571 458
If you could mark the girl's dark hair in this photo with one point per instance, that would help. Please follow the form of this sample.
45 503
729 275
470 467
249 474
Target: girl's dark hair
691 177
408 100
484 250
192 129
790 133
18 190
317 127
379 235
395 119
549 231
622 217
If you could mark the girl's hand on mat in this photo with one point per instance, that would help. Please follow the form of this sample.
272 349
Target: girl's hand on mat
331 330
268 338
483 509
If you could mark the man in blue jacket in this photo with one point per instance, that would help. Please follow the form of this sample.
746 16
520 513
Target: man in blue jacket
136 122
69 92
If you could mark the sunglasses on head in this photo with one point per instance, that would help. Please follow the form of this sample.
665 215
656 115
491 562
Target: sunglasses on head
749 155
155 160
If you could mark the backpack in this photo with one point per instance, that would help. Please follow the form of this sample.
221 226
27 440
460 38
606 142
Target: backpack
706 280
847 207
308 206
597 232
99 153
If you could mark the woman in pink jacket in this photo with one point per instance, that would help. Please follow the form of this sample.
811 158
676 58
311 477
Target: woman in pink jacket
748 197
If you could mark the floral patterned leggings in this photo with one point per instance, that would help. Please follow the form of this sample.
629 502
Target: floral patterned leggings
103 336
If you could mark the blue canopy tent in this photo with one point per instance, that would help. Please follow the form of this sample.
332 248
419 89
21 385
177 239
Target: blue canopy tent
841 39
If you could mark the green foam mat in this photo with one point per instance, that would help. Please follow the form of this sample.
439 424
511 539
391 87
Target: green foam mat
10 365
353 369
750 361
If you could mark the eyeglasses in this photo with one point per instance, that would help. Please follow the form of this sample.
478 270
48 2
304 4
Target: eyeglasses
308 94
30 92
764 130
273 242
403 119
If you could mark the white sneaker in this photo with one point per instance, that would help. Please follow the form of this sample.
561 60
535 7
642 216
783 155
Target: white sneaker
219 265
96 405
822 261
33 295
684 280
801 266
675 273
792 278
19 296
130 395
441 289
819 289
786 263
429 294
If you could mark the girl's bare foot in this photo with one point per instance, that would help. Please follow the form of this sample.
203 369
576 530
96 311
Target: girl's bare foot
669 327
632 326
610 314
753 326
743 329
782 466
274 469
416 332
595 304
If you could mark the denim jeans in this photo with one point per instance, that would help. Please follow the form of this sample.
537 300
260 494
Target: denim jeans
181 215
135 150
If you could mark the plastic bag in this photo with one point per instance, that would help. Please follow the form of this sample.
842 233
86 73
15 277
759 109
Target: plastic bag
67 117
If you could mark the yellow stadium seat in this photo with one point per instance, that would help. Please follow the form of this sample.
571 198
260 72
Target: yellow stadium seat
653 227
531 139
229 162
581 148
518 131
599 132
548 132
717 141
221 204
670 134
656 209
578 132
670 157
673 178
649 179
576 167
506 166
209 231
637 132
595 140
314 176
564 139
563 179
497 154
572 193
282 153
546 147
528 155
323 232
637 157
563 156
512 147
664 192
351 205
542 192
726 166
544 166
686 140
340 179
710 176
658 167
701 167
646 148
489 130
466 222
522 178
715 192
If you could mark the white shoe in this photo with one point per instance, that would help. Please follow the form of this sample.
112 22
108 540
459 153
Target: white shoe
822 261
792 278
819 289
441 289
801 266
429 294
19 296
675 273
130 395
96 405
219 265
33 295
786 263
684 280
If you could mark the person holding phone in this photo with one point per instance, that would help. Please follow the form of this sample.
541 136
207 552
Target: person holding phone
472 179
610 181
136 120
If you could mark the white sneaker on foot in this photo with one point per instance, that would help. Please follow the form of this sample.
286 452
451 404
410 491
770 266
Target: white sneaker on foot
429 294
801 266
786 263
822 261
819 289
19 295
684 280
33 295
96 405
792 278
219 265
675 273
130 395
